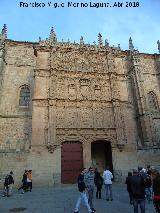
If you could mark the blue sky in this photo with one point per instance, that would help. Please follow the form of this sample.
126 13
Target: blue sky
116 24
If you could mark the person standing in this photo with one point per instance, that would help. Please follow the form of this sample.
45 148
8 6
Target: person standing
89 181
129 187
8 184
98 182
137 184
108 176
23 187
29 180
82 193
148 185
156 190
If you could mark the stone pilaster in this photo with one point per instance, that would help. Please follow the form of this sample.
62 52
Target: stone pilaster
143 118
40 115
87 159
2 55
116 105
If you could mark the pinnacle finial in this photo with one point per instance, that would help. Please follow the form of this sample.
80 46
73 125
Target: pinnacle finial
81 41
52 37
106 43
100 41
158 42
4 31
131 46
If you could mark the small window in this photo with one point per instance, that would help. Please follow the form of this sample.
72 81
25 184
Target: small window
24 96
152 101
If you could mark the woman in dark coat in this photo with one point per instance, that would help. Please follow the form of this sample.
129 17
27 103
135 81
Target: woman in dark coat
129 187
156 190
98 180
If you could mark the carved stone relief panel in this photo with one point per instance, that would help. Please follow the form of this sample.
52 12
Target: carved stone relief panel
106 91
70 60
115 88
71 119
82 64
85 89
97 91
108 118
111 63
99 62
72 89
60 117
148 66
86 118
57 60
61 88
98 118
79 60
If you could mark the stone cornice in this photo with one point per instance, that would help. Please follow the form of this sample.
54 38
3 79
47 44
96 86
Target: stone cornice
15 116
76 46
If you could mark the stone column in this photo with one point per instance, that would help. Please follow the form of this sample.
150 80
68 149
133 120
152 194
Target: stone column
87 160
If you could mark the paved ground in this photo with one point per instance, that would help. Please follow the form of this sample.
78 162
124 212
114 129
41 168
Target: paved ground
62 200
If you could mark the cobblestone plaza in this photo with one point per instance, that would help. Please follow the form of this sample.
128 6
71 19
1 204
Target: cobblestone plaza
62 200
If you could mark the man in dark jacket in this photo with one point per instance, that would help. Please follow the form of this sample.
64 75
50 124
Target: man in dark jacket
137 184
129 186
82 194
8 183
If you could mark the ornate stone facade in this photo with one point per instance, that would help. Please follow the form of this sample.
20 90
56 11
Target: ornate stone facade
78 92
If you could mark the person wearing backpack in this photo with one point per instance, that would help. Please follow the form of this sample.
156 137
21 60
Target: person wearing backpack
8 184
98 180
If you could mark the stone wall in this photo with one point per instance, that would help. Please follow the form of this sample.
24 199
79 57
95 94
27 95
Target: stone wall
15 120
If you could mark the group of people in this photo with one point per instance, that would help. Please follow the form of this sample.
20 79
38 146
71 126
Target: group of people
87 181
26 183
144 184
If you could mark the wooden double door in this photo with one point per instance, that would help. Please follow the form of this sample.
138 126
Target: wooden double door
71 161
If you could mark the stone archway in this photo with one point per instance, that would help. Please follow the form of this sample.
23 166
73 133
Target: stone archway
101 154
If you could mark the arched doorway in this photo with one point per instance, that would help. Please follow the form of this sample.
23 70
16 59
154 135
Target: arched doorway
71 161
101 153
